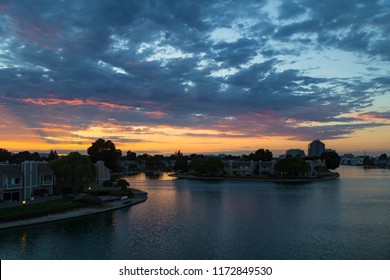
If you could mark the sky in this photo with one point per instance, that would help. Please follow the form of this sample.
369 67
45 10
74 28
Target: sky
197 76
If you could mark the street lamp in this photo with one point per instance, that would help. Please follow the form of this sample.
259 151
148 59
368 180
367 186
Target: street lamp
23 207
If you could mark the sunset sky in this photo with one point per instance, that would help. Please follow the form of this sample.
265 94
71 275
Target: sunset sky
196 76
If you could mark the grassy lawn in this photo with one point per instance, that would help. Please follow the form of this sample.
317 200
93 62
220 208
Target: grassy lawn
38 209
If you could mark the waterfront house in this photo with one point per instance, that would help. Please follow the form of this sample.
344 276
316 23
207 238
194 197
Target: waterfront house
267 168
239 167
23 181
11 182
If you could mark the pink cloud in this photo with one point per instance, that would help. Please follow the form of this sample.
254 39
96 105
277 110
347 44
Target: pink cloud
374 116
36 32
155 114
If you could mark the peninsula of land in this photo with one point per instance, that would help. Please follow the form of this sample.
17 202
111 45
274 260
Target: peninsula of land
106 206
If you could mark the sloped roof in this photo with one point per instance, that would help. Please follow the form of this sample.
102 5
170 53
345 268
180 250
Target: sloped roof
11 170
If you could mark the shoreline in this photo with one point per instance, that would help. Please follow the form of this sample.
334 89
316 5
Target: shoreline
77 213
253 178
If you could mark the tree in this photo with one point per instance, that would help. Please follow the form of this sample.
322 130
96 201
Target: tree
73 171
153 162
261 154
291 167
20 157
206 166
332 159
105 151
52 155
181 161
5 155
123 184
34 156
383 157
131 155
181 164
367 161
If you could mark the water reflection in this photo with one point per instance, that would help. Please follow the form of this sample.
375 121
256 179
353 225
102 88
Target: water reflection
348 218
23 241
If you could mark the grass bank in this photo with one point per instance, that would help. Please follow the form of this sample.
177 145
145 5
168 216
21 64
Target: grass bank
34 210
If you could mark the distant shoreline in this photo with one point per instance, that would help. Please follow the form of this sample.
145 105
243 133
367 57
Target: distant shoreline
332 176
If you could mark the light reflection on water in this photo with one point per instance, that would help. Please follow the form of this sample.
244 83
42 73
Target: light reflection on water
348 218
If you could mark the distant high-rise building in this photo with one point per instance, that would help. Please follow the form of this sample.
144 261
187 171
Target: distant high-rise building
316 148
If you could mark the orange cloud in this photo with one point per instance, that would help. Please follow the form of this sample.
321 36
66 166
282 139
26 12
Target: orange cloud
73 102
374 116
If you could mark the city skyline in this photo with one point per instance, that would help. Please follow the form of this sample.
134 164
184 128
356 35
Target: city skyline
195 76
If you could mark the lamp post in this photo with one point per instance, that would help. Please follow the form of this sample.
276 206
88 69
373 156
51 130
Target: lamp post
23 208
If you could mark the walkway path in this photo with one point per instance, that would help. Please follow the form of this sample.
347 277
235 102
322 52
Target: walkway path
108 206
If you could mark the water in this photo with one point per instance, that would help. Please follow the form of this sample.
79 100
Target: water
348 218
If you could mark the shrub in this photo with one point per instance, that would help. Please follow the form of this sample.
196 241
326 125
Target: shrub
127 192
88 199
123 184
107 183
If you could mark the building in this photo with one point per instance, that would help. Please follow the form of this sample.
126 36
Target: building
260 168
316 148
350 159
102 172
295 153
267 168
239 167
23 181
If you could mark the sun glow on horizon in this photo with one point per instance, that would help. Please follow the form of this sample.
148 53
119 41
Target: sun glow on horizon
168 140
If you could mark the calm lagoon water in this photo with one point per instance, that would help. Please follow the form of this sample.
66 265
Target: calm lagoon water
347 218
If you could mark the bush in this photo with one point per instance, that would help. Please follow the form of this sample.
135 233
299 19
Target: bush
107 183
127 192
88 199
123 184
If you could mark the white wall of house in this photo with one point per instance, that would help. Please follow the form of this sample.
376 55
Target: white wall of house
102 172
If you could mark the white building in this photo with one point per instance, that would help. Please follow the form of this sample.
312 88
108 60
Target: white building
102 172
239 167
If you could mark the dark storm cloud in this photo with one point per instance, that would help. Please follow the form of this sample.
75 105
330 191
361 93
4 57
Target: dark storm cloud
159 59
237 53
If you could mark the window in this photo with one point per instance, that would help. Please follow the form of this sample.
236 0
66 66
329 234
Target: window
46 178
15 181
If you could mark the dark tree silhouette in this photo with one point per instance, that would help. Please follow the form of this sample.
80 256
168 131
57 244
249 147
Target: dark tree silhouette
5 155
131 155
206 166
261 154
291 167
123 184
105 151
383 157
52 155
332 159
